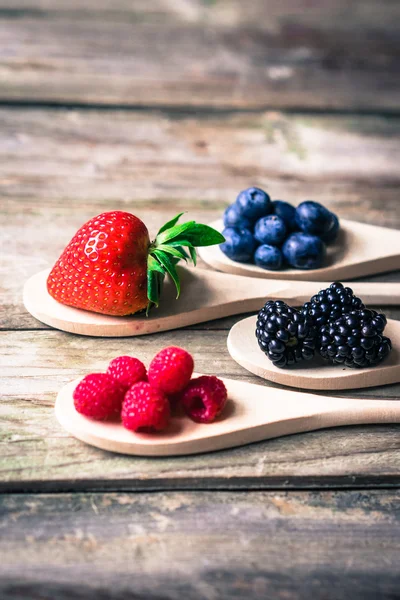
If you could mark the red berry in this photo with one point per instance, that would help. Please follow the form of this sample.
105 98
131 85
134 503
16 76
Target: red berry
171 370
127 370
104 267
98 396
204 398
145 408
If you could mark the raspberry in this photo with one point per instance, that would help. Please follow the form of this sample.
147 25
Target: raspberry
145 408
204 398
98 396
127 370
171 370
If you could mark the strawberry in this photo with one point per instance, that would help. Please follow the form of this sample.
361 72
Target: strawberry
110 266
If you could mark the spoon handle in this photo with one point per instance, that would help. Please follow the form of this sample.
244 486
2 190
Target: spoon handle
350 411
253 413
371 293
300 412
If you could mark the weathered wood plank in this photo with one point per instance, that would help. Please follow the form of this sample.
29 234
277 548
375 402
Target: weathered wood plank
265 14
331 545
55 170
59 168
219 53
33 237
36 454
88 157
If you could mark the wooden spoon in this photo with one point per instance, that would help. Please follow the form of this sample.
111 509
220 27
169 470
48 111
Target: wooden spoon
206 295
360 250
253 413
315 374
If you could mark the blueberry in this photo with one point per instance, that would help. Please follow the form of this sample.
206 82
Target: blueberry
233 219
286 212
268 257
304 251
239 244
330 236
270 230
313 218
253 204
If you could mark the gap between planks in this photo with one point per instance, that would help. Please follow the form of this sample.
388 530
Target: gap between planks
198 111
236 485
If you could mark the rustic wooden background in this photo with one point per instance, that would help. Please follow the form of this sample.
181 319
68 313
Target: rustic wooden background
154 106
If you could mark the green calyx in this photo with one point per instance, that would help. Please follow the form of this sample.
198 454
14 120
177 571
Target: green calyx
172 244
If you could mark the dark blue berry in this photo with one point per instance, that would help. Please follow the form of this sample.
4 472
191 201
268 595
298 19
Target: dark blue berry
330 304
270 230
268 257
285 335
239 244
312 217
304 251
365 346
331 235
232 218
253 204
286 212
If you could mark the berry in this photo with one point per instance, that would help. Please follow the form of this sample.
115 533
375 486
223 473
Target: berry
355 340
204 398
253 204
312 217
239 244
286 212
111 268
330 304
98 396
104 267
284 334
304 251
145 408
232 218
268 257
270 230
127 370
171 370
331 235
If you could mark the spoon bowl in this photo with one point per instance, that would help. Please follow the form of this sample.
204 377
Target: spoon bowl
360 250
316 374
253 413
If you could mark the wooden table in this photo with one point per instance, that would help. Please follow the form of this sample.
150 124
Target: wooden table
154 107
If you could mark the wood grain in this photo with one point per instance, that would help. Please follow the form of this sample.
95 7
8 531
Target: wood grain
204 59
90 158
58 168
332 545
218 53
360 14
36 454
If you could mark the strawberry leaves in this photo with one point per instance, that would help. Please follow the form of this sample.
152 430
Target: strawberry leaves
169 248
170 223
188 233
155 279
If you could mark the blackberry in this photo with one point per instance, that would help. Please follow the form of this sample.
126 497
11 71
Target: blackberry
330 304
355 340
284 334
